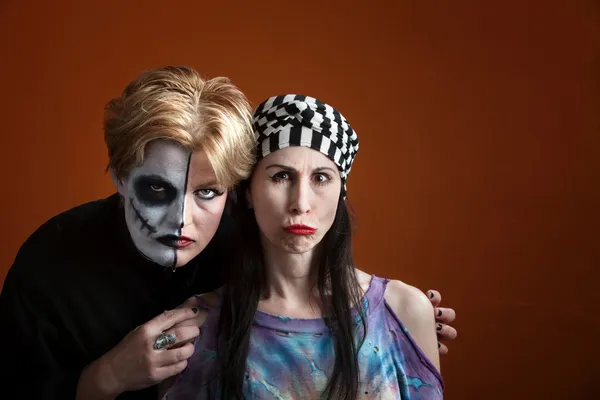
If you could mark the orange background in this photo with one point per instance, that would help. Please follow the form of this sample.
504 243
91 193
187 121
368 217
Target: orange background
478 173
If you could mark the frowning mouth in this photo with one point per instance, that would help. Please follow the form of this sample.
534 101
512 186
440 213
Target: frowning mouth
174 241
299 229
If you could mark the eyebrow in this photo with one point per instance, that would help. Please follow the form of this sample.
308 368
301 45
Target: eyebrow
288 168
207 183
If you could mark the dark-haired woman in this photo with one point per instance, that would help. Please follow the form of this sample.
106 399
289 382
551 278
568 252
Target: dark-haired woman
297 319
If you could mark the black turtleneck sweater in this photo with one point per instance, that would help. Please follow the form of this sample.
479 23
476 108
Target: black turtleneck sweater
76 288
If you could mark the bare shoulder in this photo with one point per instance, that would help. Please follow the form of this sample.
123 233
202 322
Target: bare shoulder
407 301
415 311
200 301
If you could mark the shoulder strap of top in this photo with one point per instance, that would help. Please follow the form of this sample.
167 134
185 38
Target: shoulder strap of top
376 291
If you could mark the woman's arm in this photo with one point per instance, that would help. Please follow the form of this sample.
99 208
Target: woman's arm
200 301
416 313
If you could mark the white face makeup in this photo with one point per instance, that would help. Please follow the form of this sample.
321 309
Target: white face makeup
173 205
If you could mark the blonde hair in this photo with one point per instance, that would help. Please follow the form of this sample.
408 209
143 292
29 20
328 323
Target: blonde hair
175 103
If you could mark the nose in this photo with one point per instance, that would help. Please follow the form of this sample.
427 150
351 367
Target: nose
187 213
179 213
300 197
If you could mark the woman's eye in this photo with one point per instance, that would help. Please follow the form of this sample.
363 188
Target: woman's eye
321 178
281 176
206 194
157 188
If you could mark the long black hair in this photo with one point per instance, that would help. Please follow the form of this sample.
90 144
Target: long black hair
338 288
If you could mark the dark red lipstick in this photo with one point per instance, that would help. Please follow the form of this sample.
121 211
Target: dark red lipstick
300 229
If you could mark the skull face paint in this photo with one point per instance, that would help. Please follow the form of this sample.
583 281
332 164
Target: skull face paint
173 204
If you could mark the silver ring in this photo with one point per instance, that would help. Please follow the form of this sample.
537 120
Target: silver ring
163 340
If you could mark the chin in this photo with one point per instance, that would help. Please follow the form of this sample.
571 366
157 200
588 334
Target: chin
296 250
185 255
296 246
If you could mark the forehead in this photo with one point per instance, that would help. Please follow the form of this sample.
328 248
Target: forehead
173 163
200 169
164 158
299 156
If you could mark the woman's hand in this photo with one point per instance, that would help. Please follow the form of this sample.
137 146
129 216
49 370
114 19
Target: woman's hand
444 316
135 363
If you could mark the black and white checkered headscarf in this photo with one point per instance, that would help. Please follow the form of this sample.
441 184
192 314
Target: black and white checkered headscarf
297 120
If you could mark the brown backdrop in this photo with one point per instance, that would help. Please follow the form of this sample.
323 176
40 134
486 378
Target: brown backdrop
478 173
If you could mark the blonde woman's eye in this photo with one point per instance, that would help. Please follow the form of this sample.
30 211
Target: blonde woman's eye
157 188
206 194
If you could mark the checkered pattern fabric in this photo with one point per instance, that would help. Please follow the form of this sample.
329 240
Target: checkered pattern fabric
297 120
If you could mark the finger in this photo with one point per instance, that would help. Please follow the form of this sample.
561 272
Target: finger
445 332
183 334
435 297
174 356
443 350
199 320
169 318
170 370
445 315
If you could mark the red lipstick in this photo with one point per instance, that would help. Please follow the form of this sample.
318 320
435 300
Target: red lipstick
299 229
176 242
184 241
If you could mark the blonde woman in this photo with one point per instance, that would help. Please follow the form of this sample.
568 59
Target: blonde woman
84 302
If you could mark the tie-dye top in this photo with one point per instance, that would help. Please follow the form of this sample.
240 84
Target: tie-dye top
291 358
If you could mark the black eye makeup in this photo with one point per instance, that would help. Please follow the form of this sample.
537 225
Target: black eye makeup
153 190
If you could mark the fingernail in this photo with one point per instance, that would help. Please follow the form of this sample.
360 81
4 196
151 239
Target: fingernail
195 310
439 327
439 313
431 295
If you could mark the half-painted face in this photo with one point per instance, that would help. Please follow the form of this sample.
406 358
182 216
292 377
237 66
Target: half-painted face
173 204
294 192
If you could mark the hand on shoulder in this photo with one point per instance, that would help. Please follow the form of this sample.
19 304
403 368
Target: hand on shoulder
416 312
200 301
445 316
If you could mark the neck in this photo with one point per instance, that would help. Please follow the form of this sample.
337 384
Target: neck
290 278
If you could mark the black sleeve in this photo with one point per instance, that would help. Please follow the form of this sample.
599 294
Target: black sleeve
33 361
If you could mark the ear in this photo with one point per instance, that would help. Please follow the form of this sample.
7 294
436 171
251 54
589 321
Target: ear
118 182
